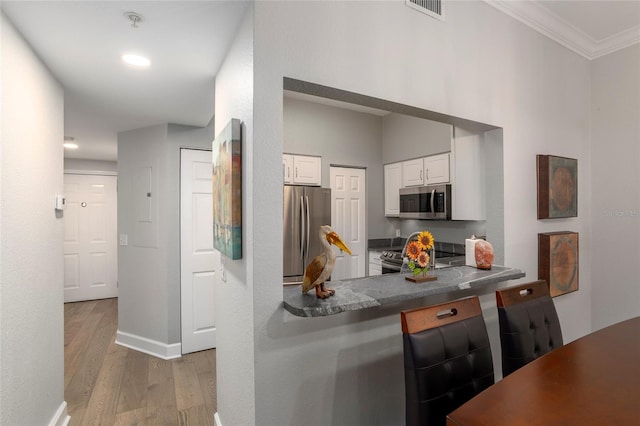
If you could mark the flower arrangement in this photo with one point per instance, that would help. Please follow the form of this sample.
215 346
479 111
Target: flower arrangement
418 252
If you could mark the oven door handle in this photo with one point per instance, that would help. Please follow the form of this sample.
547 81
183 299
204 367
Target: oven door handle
391 266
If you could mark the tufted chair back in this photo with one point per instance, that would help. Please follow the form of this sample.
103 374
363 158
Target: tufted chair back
447 359
529 324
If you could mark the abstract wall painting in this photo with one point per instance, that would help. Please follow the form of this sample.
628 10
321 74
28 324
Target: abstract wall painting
227 191
558 261
557 187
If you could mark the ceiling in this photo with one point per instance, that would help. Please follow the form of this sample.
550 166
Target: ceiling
591 28
81 42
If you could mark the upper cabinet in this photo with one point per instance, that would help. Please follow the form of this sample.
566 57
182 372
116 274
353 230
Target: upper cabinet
287 168
302 169
426 171
392 185
436 169
464 167
413 172
468 177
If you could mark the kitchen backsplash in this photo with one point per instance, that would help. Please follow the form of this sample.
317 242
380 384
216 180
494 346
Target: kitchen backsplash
444 231
397 243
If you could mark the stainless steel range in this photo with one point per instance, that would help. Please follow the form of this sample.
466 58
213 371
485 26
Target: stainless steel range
391 261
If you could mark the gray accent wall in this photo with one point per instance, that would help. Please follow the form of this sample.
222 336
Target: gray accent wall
341 137
32 255
149 267
142 264
75 164
405 138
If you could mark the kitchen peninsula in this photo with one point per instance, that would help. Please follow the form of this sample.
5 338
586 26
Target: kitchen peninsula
362 293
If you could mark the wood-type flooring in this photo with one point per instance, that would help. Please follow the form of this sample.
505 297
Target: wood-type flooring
108 384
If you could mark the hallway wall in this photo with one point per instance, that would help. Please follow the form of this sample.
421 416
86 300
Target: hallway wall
31 255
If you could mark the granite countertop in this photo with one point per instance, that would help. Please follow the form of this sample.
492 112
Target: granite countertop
362 293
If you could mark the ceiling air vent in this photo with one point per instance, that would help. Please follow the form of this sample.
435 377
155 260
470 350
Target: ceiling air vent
433 8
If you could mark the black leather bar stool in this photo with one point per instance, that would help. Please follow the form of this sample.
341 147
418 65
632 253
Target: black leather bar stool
447 359
529 324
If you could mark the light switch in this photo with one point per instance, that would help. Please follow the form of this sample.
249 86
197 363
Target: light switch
60 202
124 240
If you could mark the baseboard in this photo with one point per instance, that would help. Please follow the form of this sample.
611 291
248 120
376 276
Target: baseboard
148 346
60 418
216 419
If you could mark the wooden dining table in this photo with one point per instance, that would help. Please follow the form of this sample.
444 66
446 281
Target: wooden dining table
594 380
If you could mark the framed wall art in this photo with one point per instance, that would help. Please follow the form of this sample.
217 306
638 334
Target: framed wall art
558 261
557 187
227 191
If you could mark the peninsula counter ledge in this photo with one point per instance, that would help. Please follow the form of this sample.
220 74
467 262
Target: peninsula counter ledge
362 293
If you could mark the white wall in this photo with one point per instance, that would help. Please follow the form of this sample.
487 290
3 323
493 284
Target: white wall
480 65
615 198
31 256
235 322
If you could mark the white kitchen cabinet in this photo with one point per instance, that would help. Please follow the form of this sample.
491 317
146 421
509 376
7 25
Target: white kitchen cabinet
468 178
413 173
436 169
426 171
287 168
302 169
392 185
375 264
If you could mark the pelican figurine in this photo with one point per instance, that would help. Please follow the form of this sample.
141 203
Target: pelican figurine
321 266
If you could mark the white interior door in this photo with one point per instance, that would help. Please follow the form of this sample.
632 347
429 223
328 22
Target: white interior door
90 233
348 213
200 263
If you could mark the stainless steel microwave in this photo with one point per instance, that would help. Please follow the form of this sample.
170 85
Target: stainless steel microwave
426 202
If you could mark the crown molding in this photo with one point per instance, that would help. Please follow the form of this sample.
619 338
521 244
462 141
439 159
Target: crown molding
551 25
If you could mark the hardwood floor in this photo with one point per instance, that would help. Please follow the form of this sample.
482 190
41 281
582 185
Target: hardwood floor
108 384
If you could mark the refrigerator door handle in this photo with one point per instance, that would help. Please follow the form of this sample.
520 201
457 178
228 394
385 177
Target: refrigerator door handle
308 224
302 235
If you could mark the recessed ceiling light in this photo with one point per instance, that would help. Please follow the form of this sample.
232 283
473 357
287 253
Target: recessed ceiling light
70 145
136 60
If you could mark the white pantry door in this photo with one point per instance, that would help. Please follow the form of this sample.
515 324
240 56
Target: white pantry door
90 233
348 213
200 262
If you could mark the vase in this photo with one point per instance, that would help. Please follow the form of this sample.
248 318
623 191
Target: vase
420 278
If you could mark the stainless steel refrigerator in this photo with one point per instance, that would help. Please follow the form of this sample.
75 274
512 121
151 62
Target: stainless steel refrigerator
306 208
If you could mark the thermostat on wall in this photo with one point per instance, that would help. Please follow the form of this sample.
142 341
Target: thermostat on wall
61 202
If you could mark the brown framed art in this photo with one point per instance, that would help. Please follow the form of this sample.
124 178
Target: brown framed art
558 261
557 187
